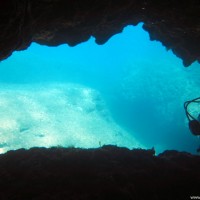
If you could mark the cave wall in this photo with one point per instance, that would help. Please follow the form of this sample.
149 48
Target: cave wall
105 173
53 22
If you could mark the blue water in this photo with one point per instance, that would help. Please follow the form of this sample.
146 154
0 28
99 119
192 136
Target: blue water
128 92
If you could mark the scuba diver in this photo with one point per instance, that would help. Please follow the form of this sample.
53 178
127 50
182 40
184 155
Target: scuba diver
194 123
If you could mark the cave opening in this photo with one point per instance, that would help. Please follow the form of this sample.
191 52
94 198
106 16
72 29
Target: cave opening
128 92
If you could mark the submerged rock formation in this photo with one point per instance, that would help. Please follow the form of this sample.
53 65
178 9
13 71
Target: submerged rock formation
109 172
52 22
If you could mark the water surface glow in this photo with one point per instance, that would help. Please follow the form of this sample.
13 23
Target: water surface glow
128 92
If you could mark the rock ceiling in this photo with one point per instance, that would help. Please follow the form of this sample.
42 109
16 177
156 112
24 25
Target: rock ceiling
53 22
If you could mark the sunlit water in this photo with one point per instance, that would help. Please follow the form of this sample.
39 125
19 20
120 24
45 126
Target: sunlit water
128 92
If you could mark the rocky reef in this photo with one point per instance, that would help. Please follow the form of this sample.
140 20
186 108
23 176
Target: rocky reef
108 172
53 22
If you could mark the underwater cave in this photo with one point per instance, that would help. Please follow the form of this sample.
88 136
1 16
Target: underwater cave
92 99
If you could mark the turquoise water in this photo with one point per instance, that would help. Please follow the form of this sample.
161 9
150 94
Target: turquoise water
128 92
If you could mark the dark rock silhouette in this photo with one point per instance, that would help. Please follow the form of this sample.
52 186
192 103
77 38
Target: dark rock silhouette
53 22
108 172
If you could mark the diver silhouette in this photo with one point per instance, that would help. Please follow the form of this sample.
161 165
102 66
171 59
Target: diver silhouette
198 150
194 123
